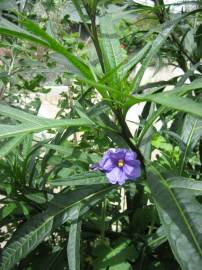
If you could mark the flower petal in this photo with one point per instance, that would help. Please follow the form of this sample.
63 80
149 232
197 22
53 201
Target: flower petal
130 156
107 163
132 172
130 159
132 163
116 175
118 154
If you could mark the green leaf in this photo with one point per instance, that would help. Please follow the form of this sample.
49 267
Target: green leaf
37 197
191 134
122 251
157 238
188 74
18 114
11 29
7 188
13 130
191 131
7 210
145 139
102 88
38 35
121 266
90 178
180 90
178 103
56 46
167 28
134 60
186 88
180 214
81 112
61 209
73 246
172 99
10 145
111 48
74 154
32 123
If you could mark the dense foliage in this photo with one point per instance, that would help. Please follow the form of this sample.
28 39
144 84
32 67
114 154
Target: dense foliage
57 213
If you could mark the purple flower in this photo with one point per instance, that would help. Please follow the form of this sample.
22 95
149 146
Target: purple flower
120 165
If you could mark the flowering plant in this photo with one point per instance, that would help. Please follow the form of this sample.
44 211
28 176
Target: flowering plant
139 206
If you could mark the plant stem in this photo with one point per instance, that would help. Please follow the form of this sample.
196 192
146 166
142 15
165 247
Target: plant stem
127 135
96 42
103 216
91 11
150 122
161 14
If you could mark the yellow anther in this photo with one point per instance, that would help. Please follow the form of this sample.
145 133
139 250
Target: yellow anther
120 163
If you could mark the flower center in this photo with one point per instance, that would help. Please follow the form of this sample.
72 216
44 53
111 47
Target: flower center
120 163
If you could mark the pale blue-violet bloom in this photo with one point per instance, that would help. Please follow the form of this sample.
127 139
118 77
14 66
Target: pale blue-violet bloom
119 165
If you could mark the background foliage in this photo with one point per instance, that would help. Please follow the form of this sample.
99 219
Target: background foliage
57 214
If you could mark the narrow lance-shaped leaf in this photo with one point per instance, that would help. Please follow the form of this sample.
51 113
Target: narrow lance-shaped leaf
38 35
157 238
145 141
191 134
60 210
111 48
56 46
32 123
13 130
178 103
157 43
74 153
167 28
180 90
172 99
180 214
90 178
73 246
10 145
134 60
18 114
11 29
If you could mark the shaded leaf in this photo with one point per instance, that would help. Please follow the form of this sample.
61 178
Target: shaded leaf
191 134
114 257
73 246
90 178
10 145
61 209
167 28
180 214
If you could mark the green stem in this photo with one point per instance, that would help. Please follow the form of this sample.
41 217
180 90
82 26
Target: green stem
91 11
162 16
103 216
142 258
150 121
96 42
126 134
187 147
